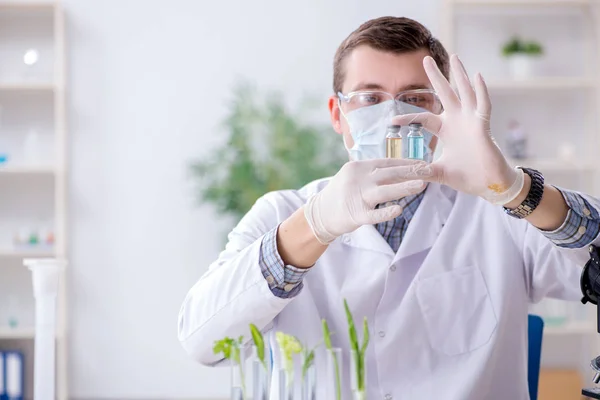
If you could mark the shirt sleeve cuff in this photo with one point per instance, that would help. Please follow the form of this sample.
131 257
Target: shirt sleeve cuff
582 225
285 281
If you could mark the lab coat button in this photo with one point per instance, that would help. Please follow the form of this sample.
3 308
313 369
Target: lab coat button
346 239
381 334
581 230
388 397
393 268
289 287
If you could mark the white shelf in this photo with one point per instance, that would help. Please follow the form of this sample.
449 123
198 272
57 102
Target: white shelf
8 170
27 87
24 5
539 3
21 254
17 333
549 83
574 328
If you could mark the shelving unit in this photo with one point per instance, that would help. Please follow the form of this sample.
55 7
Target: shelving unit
33 100
24 171
560 104
17 333
13 87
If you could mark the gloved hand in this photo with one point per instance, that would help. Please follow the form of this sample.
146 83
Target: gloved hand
350 198
471 161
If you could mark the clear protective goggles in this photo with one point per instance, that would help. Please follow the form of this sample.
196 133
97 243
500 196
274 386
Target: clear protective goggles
422 98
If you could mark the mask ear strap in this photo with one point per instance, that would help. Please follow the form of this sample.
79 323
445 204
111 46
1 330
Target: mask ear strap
346 118
341 109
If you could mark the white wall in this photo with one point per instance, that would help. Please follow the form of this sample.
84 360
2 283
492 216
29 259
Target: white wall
147 86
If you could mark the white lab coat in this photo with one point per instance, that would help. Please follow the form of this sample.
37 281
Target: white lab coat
447 313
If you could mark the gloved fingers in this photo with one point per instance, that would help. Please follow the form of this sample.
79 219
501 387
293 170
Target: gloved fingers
384 214
395 191
418 170
484 104
465 90
431 122
440 84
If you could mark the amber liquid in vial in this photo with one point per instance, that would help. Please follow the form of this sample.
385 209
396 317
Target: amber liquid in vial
393 147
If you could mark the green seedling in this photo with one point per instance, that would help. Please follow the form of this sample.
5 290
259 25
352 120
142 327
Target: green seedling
231 350
288 346
329 346
358 349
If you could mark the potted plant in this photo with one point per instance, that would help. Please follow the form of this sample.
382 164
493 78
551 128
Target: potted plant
522 57
267 148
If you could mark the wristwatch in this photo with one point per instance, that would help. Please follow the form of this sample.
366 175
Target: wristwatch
534 197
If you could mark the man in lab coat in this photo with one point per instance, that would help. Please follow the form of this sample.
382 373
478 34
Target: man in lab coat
442 258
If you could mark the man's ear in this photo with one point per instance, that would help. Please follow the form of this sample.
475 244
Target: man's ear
334 113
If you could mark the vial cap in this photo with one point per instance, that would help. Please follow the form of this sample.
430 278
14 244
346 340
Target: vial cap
415 125
394 128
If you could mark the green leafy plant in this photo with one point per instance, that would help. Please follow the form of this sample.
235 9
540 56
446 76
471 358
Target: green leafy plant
288 346
259 342
329 346
230 349
358 349
267 148
518 46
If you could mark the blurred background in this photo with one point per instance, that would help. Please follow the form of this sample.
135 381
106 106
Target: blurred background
135 133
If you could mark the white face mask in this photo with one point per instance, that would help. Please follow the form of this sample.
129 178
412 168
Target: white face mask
368 127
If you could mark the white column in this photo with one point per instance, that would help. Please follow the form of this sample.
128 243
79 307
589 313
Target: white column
45 275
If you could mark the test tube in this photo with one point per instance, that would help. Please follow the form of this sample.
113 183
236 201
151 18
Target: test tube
393 142
416 141
45 275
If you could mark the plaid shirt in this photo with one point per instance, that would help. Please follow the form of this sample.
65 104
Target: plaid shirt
580 228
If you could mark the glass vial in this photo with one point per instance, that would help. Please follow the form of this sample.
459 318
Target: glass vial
334 374
286 385
309 379
416 142
393 142
260 378
358 374
238 380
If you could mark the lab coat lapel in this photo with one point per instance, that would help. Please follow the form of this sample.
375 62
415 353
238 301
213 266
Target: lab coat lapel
428 221
367 237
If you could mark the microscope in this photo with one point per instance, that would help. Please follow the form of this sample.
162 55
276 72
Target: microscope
590 287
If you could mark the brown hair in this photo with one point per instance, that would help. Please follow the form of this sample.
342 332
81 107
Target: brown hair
390 34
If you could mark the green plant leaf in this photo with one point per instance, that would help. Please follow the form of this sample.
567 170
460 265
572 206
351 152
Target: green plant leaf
351 328
326 335
259 342
224 347
288 346
366 337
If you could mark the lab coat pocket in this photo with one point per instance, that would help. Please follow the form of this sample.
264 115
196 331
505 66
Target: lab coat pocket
457 310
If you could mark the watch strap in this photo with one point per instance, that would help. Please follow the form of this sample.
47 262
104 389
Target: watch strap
534 197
